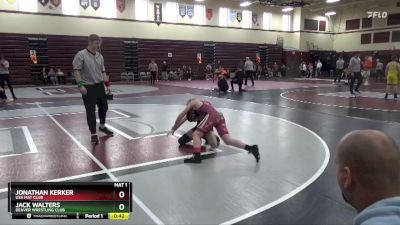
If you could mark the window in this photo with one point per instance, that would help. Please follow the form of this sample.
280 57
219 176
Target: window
141 10
310 24
366 38
70 7
171 13
223 17
353 24
246 19
108 9
267 21
199 14
28 5
381 37
286 23
393 19
396 36
366 22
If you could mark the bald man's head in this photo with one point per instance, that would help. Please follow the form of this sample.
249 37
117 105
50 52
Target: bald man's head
368 160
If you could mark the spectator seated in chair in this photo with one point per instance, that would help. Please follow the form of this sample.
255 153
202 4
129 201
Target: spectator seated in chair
269 72
53 77
209 72
60 76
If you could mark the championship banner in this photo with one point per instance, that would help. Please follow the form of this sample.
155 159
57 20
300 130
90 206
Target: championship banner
84 3
239 17
95 4
182 10
43 2
32 54
258 58
11 1
232 16
254 18
121 5
190 11
209 14
157 13
56 3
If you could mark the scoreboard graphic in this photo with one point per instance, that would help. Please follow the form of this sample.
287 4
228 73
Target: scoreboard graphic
70 200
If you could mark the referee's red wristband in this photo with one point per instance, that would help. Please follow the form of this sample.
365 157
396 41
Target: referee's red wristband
107 83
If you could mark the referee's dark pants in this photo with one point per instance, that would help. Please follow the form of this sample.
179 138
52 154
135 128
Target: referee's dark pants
153 76
96 95
6 78
249 74
358 76
2 95
338 75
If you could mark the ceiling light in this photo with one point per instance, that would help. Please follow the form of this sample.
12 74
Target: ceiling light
332 1
245 4
199 0
331 13
287 9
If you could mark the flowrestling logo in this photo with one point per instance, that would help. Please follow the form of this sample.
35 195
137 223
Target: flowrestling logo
380 15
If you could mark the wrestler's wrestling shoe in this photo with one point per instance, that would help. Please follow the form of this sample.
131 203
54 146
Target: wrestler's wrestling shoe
196 158
253 149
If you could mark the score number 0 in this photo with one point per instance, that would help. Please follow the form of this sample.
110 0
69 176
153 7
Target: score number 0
121 195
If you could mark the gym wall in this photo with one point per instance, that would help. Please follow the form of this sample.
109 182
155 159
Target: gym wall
350 39
128 27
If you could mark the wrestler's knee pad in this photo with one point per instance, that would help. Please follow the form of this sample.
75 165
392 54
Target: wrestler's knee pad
184 139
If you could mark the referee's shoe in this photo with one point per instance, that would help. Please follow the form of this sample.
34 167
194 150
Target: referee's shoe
94 139
106 131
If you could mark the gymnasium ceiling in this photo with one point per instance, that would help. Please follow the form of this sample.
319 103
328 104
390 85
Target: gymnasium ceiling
283 2
319 4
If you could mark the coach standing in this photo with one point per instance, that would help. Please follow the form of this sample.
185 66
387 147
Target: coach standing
153 68
339 69
355 69
5 75
249 69
91 78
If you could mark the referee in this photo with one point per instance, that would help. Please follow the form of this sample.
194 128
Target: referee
91 78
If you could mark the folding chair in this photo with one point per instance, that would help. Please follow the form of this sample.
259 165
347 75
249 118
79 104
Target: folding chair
131 76
124 76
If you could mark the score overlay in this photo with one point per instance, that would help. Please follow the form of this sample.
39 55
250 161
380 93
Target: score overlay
70 200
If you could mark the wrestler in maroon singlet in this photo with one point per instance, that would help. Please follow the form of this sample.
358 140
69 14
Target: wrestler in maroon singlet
209 118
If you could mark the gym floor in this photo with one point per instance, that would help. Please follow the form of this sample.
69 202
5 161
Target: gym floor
296 123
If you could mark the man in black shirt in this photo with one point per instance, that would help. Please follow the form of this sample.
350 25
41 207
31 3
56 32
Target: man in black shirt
222 84
238 79
164 70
